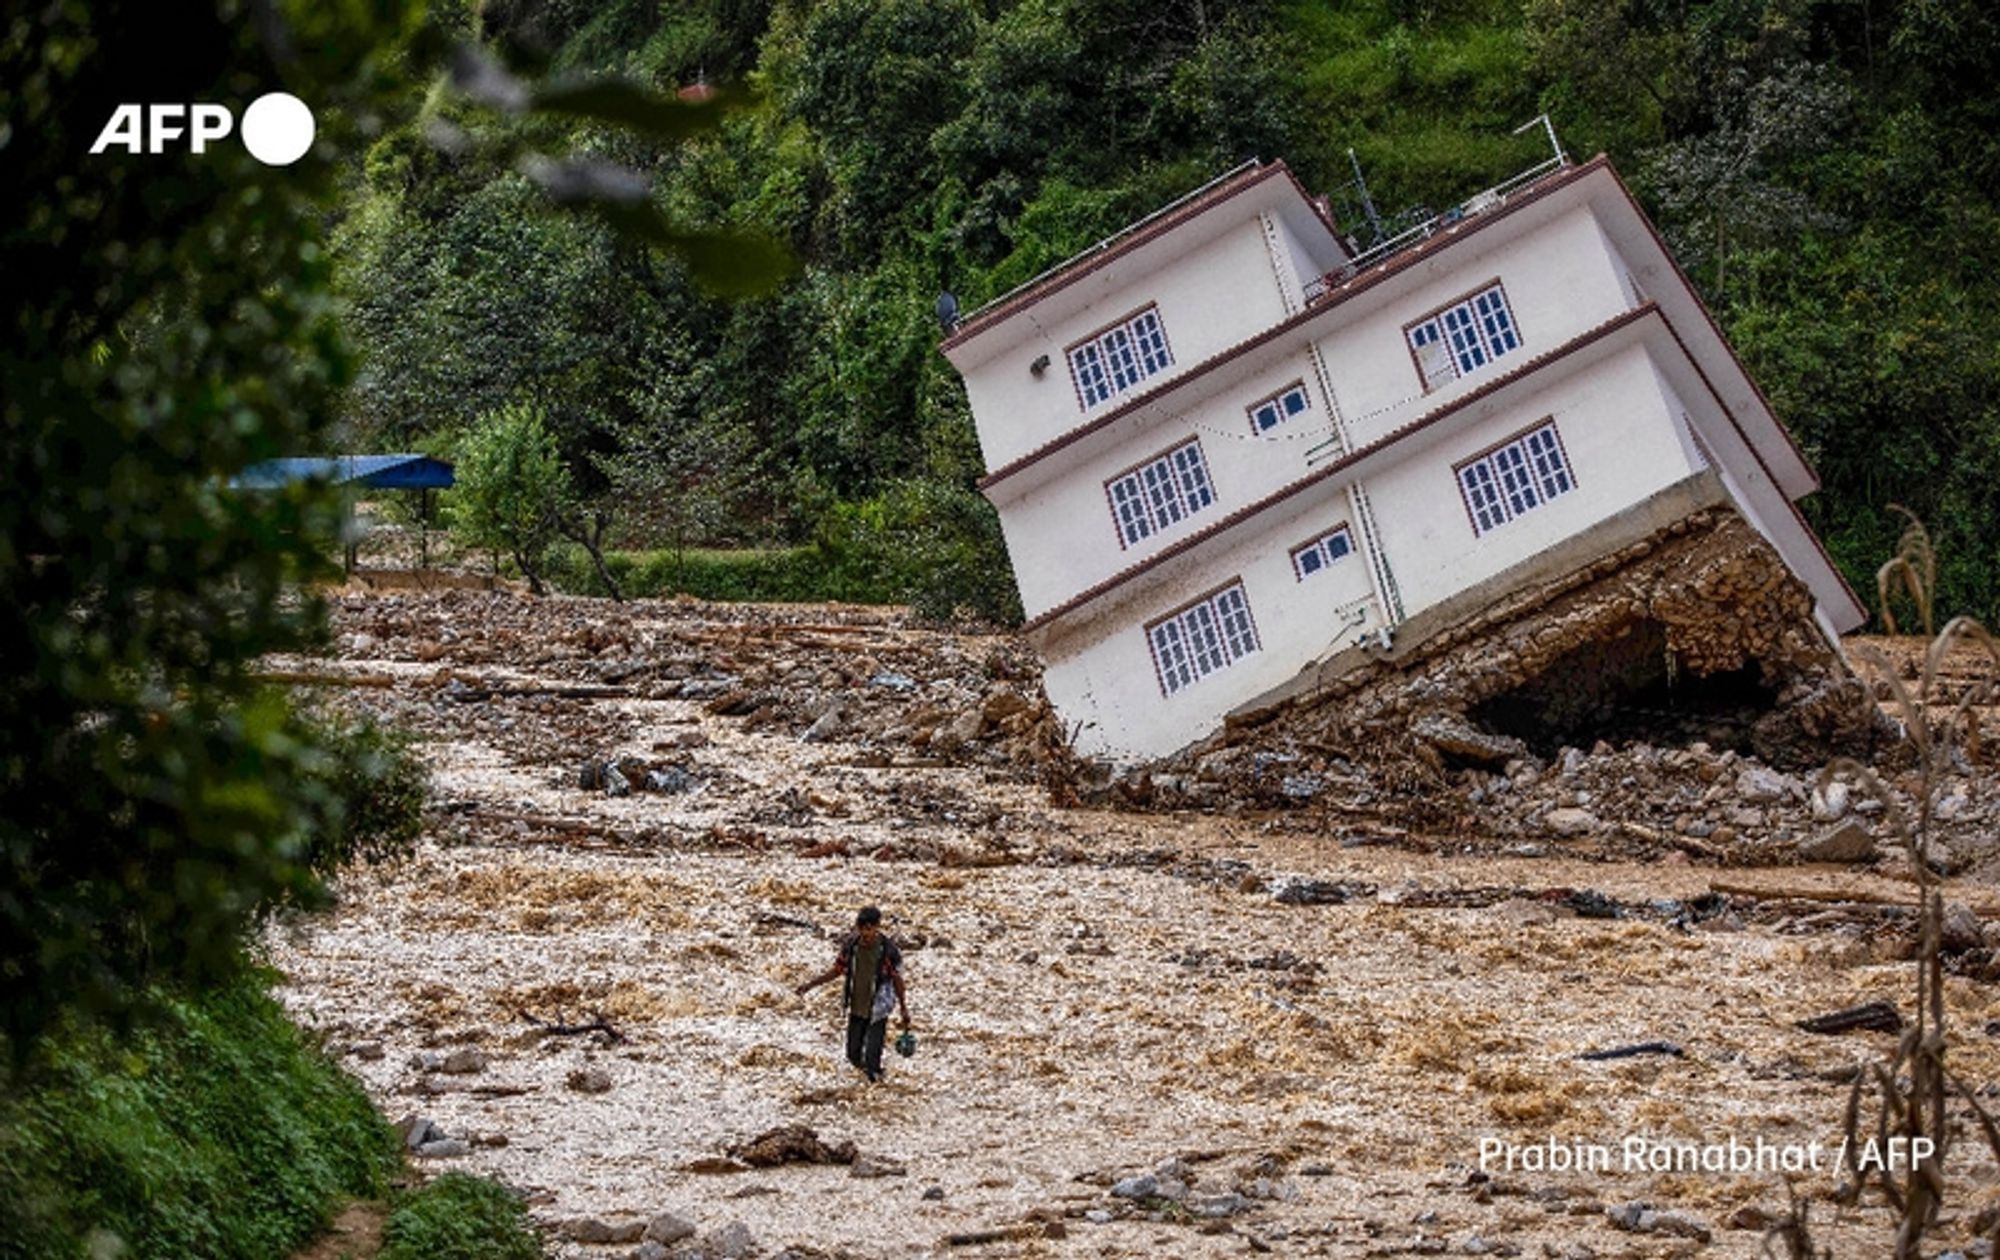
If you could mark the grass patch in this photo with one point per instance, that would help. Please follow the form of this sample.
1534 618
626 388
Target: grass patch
217 1132
459 1217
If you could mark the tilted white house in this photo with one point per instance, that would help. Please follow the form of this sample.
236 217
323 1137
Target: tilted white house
1223 450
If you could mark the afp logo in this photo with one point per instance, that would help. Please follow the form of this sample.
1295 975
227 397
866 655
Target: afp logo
277 128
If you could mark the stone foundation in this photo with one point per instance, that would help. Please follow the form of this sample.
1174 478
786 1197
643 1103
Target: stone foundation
1701 621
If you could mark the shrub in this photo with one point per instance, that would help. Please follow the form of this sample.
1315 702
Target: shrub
216 1132
378 786
460 1217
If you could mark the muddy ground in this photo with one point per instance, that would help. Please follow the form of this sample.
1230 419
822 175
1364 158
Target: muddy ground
645 820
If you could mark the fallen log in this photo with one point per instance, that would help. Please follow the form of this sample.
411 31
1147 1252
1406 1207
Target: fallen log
980 1237
1875 1016
1632 1051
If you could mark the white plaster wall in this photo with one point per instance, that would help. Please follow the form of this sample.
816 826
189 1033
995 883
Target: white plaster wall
1561 281
1102 671
1061 535
1622 444
1210 299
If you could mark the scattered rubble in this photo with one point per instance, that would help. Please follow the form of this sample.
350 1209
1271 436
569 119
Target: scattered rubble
1214 941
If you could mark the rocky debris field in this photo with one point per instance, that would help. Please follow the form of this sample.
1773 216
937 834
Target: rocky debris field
1284 1003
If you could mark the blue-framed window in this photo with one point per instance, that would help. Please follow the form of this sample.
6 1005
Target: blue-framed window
1120 357
1464 337
1517 477
1279 407
1321 552
1212 633
1160 492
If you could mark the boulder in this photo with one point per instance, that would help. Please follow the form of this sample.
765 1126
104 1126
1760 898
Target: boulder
464 1061
1571 822
1761 785
1846 841
590 1081
1144 1186
598 1232
1455 737
1960 930
668 1229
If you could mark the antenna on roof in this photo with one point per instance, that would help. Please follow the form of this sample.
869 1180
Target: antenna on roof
1562 159
1367 202
947 311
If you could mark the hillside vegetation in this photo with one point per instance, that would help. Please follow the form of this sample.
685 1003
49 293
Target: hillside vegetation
1822 169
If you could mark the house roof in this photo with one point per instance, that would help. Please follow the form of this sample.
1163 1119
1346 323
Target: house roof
1128 239
377 472
1394 265
1776 447
1649 311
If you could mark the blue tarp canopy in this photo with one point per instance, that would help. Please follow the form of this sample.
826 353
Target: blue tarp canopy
377 472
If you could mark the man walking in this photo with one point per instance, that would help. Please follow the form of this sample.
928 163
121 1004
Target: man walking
874 970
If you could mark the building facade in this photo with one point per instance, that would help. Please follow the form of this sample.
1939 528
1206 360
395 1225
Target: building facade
1224 450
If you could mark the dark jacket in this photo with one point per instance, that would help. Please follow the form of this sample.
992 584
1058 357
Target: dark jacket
886 970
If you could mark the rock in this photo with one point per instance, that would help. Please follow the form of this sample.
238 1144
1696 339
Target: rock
1217 1207
1750 1216
670 780
967 726
1144 1186
893 682
1570 822
1761 785
1572 761
464 1062
1829 803
876 1166
1172 1189
933 1193
615 783
1846 841
1301 787
598 1232
829 725
1679 1224
417 1130
732 1242
590 776
1003 702
668 1229
590 1081
443 1148
791 1144
649 1251
369 1050
1175 1168
1455 737
1961 929
1098 1216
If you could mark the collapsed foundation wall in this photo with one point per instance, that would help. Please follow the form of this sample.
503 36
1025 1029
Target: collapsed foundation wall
1702 610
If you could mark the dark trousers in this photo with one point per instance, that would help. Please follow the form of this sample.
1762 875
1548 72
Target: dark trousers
864 1043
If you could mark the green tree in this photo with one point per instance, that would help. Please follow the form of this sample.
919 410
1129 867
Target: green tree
513 490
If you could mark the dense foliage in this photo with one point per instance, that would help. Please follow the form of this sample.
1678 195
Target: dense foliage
1824 170
214 1132
166 320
